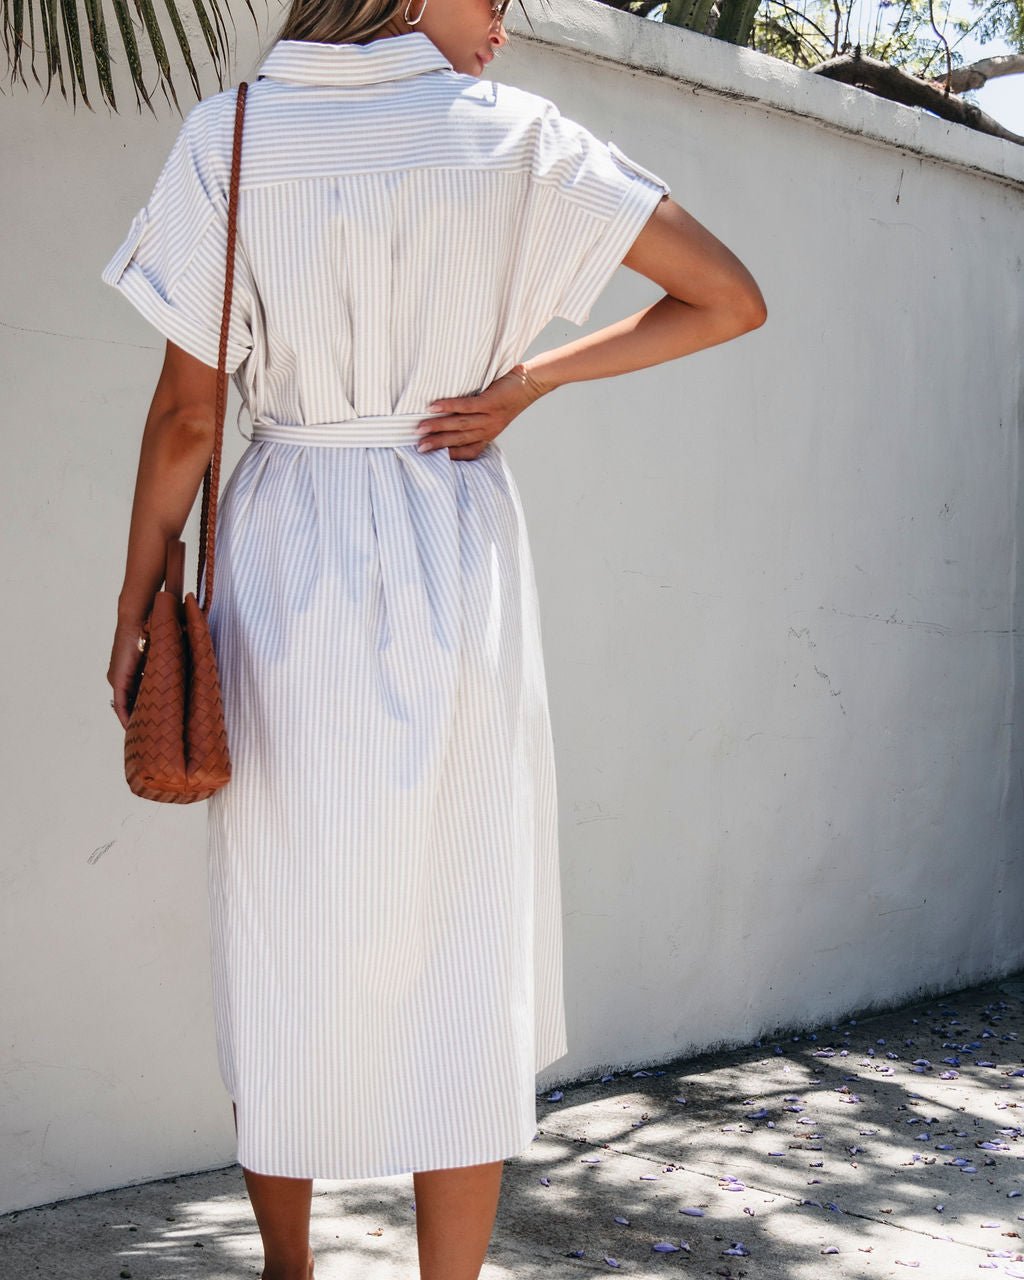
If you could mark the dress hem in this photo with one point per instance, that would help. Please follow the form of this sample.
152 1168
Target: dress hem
394 1172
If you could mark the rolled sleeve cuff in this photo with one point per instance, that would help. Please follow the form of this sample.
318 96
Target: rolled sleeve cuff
166 314
181 329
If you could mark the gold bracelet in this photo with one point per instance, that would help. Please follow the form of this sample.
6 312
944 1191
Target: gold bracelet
529 381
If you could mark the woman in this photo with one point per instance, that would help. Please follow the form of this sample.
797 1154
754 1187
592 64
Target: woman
383 870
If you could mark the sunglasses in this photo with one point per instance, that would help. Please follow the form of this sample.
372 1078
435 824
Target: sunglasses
501 9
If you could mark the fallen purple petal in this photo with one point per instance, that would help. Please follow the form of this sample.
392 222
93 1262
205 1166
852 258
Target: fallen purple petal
694 1213
664 1246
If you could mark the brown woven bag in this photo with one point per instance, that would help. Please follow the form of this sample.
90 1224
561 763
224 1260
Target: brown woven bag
176 743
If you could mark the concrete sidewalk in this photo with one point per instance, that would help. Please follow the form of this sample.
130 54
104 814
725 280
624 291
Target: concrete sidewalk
884 1146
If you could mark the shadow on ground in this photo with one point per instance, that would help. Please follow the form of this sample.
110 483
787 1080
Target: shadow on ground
883 1146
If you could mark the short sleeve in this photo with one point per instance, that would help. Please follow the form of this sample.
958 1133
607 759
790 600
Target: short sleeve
599 201
171 263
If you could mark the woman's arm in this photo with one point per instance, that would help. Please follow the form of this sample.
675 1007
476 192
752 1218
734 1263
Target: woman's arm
177 443
710 297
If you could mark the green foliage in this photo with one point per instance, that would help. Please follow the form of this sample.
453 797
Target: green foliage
51 30
808 32
1001 20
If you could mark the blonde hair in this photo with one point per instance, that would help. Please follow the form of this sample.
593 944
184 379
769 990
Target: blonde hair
342 21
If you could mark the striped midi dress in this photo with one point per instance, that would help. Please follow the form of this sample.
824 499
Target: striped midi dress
385 908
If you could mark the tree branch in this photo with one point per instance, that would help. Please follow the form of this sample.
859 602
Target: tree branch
890 82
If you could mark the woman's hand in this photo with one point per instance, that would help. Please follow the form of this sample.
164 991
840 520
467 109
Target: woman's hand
470 423
125 661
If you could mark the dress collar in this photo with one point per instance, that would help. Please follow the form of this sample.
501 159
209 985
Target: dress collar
386 58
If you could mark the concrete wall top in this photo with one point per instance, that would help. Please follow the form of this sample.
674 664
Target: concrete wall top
590 30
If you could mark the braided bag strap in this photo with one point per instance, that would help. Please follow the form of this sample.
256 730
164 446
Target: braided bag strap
211 480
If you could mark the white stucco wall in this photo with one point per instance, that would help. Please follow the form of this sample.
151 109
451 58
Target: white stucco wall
778 580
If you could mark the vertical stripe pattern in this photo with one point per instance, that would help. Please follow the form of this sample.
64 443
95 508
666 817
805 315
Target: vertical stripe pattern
385 911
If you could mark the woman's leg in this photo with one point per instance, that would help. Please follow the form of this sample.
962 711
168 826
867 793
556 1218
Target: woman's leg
281 1206
455 1212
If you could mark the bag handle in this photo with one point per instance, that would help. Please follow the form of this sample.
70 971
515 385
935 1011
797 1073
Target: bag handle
211 480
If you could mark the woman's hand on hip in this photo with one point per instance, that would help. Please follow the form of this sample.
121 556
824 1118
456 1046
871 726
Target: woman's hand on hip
469 423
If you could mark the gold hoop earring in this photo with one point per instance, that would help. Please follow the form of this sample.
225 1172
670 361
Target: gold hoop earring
412 21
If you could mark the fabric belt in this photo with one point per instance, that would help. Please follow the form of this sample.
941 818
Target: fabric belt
372 431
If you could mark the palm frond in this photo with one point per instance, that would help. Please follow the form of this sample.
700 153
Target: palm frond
60 44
